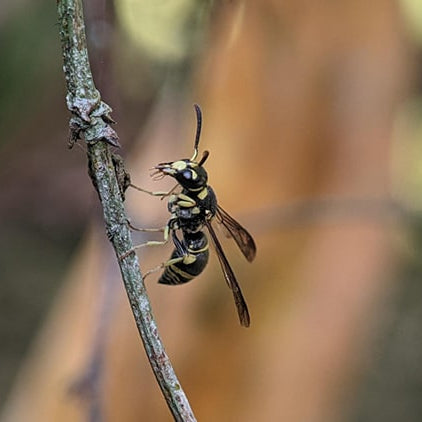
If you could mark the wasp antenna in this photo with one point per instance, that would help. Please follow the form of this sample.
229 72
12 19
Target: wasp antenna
204 158
198 130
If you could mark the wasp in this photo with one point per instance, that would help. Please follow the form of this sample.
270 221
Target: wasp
192 209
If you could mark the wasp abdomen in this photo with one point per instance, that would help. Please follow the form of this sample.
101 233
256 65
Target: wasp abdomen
191 264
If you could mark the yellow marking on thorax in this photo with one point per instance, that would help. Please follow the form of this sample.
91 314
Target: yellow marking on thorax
185 201
203 194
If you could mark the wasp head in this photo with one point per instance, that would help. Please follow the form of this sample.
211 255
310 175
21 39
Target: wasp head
189 174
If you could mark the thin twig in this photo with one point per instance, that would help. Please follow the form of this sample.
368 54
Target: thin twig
91 122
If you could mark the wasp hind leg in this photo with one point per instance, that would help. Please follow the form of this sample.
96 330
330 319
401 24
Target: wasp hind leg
180 254
163 265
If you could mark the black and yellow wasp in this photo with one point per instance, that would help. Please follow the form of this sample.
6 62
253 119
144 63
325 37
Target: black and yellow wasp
192 209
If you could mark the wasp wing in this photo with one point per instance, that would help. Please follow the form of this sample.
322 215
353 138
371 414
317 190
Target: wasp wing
242 308
241 236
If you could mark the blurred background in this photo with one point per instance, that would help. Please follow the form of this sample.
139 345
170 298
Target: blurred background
313 118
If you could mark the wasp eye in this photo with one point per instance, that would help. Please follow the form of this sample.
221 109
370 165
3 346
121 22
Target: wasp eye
187 174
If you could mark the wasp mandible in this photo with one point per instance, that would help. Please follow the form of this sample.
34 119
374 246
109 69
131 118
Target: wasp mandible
193 208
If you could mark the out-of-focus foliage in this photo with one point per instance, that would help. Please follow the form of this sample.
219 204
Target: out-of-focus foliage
412 11
36 238
162 30
407 154
29 68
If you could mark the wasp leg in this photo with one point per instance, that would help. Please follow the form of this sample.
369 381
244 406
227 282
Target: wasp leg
163 265
180 247
158 193
149 243
185 201
170 191
183 256
140 229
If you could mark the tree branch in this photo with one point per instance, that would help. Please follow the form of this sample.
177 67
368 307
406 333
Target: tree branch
90 122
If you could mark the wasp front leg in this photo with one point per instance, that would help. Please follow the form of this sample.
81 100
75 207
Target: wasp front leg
161 194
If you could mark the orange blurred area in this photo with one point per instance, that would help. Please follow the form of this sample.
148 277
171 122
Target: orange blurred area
304 105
